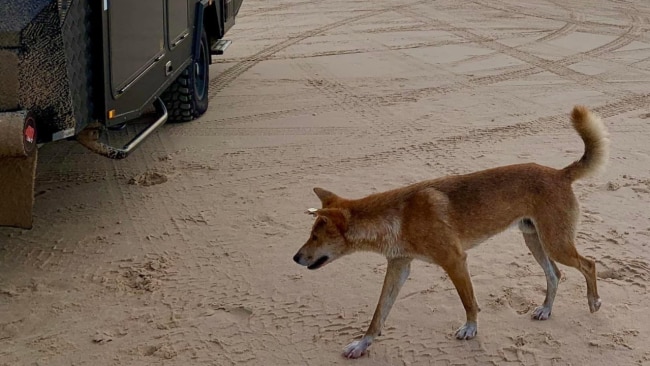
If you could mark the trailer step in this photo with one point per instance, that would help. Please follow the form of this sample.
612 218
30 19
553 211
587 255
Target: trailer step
220 47
89 136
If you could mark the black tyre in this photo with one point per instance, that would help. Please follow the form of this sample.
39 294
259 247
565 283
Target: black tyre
187 97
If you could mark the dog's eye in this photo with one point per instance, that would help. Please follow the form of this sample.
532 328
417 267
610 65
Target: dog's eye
313 237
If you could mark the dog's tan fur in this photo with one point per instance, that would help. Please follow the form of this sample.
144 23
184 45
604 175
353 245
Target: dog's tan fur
438 220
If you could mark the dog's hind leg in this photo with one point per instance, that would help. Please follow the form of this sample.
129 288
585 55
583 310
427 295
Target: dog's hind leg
396 274
456 267
556 231
551 271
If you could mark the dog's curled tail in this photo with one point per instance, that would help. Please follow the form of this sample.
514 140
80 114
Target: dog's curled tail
594 134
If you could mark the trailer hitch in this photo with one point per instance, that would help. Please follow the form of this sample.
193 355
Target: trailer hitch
89 136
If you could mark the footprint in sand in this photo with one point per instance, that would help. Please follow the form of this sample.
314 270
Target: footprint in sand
630 270
149 178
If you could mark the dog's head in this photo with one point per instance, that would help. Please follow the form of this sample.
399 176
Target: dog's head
327 238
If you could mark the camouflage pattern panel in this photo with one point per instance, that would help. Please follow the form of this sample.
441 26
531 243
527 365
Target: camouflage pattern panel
46 45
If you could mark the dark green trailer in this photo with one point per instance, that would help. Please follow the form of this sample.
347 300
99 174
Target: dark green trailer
73 69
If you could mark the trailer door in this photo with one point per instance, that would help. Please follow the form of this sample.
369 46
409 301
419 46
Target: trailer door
136 38
178 20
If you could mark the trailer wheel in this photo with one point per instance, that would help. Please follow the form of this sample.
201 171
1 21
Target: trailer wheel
187 97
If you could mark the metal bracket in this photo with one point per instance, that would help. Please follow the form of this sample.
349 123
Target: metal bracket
220 47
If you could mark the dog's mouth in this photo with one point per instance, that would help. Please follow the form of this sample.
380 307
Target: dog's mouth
319 263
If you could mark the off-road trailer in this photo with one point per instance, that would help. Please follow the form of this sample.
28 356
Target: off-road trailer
71 69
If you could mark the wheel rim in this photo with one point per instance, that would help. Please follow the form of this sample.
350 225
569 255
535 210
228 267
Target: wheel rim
200 72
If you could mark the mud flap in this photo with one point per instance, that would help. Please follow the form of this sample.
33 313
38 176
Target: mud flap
18 156
17 176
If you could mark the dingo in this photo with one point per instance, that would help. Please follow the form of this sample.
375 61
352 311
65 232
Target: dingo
438 220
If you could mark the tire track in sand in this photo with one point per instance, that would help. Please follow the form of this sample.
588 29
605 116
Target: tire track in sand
510 8
261 11
567 28
439 148
369 107
621 41
207 125
224 79
353 51
537 63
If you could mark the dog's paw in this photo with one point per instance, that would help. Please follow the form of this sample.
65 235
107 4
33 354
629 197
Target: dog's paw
594 305
467 331
541 313
356 349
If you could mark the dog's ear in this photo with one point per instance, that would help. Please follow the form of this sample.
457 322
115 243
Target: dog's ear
327 198
339 217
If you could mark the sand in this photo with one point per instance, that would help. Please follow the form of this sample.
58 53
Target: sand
190 264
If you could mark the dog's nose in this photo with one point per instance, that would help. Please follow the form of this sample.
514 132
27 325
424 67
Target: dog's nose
296 258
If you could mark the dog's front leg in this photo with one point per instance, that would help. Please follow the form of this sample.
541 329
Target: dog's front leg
456 268
396 274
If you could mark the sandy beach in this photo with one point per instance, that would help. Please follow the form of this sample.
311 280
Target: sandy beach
182 253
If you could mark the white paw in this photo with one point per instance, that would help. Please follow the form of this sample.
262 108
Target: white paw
541 313
594 305
467 331
357 348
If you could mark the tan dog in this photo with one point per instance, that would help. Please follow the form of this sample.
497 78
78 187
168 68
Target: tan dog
438 220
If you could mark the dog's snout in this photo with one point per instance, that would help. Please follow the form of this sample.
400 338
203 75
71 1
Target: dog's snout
296 258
